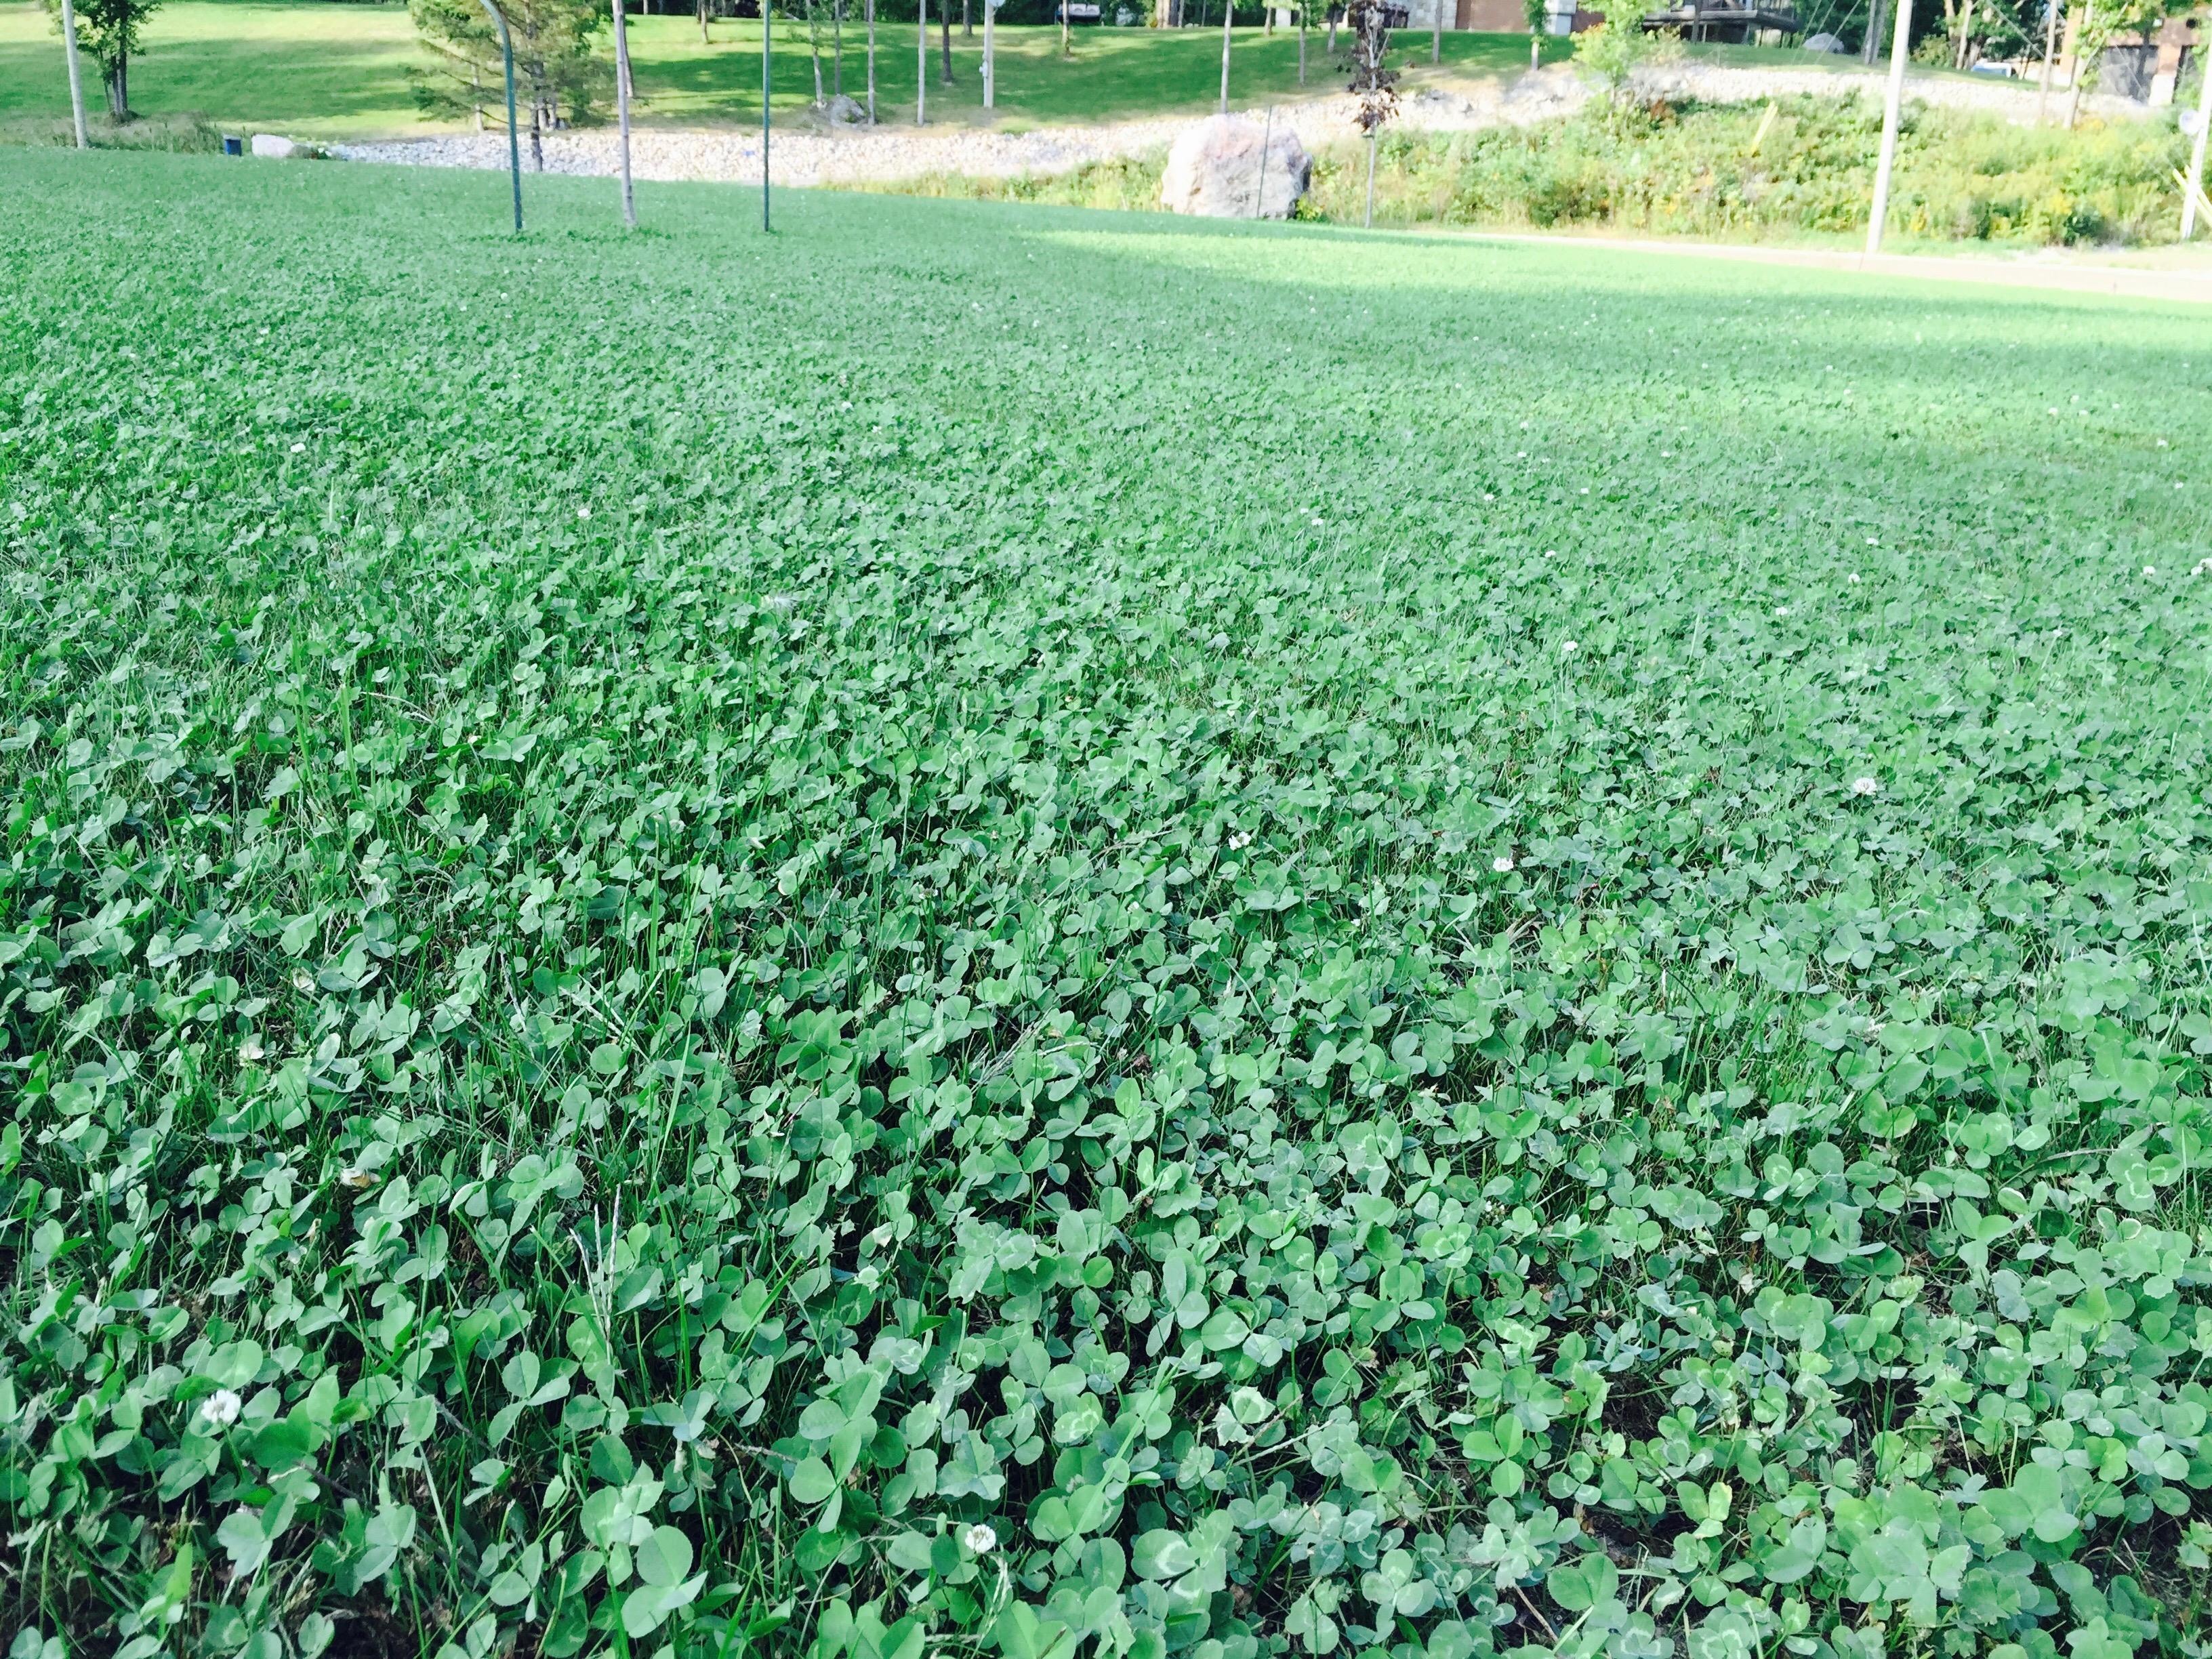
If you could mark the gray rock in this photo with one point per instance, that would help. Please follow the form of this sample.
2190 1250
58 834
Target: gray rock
275 149
843 112
1825 43
1214 170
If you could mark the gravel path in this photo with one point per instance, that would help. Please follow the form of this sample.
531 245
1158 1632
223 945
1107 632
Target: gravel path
863 155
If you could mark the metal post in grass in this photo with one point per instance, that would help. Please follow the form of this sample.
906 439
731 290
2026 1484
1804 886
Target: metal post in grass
622 106
1368 223
990 56
1892 108
2196 187
1267 137
766 34
921 65
514 143
77 81
1227 16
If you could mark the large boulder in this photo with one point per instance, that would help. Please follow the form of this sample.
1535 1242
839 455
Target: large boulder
1831 43
845 112
1214 170
275 148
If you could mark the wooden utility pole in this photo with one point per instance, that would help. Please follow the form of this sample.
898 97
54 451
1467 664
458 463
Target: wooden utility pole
1893 109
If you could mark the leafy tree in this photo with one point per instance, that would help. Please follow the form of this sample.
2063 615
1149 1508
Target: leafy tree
1620 45
557 78
107 32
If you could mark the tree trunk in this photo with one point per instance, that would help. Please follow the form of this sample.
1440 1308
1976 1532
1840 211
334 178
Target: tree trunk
967 21
1332 31
944 24
2080 64
1871 46
1436 33
1066 50
703 38
872 61
1302 45
814 48
1966 35
990 59
621 104
837 47
2050 49
118 88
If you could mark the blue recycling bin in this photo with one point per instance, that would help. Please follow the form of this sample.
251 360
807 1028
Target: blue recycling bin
233 146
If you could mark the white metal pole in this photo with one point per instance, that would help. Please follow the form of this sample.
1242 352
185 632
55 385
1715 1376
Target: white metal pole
622 106
77 81
990 62
921 65
1892 108
2196 149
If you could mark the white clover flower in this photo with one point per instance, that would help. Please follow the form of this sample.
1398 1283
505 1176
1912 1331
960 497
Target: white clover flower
1567 645
1781 610
1503 864
583 512
250 1048
299 448
1865 786
979 1539
2150 570
1853 579
358 1180
222 1408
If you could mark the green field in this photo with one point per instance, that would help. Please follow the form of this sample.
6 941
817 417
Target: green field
979 930
316 69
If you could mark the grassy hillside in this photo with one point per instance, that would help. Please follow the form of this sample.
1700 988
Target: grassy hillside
984 930
319 69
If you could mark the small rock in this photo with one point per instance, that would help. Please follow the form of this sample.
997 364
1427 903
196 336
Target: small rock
1825 43
1214 170
275 149
843 112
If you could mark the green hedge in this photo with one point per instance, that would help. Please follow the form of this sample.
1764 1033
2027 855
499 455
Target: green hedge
1693 169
